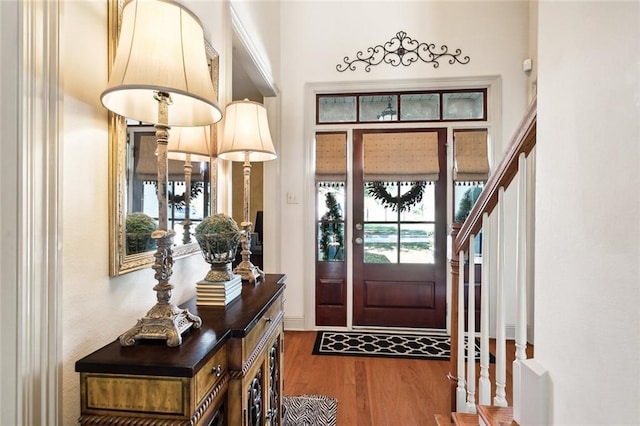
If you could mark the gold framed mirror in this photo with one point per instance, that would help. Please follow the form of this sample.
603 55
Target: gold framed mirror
128 188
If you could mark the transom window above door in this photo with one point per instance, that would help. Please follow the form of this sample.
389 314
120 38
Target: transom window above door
414 106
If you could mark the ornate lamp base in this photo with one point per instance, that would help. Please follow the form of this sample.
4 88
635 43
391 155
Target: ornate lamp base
247 270
164 322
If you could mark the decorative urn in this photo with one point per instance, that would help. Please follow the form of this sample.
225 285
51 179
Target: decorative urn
218 236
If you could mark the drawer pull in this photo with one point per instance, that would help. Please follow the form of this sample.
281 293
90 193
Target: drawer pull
267 319
217 370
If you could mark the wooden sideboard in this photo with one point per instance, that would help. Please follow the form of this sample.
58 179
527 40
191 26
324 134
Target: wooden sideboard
228 372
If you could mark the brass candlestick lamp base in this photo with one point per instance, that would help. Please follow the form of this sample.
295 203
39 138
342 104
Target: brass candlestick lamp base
164 321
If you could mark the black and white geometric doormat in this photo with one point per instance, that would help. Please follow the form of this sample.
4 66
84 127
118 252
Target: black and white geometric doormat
354 343
309 410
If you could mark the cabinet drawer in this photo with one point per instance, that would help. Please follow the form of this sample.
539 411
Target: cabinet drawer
212 371
133 395
273 313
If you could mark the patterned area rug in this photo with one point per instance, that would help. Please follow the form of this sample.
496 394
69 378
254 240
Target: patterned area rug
309 410
418 346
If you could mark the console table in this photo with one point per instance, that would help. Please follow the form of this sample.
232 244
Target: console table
228 372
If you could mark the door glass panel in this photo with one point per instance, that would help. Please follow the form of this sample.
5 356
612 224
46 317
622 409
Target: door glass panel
413 227
425 209
330 200
420 106
375 209
417 243
464 198
330 229
380 243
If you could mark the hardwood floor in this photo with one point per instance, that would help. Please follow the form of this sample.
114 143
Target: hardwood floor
373 391
370 391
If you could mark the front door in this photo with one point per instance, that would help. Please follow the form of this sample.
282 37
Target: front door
399 228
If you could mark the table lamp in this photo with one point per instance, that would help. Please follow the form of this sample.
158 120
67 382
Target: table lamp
189 144
246 138
161 64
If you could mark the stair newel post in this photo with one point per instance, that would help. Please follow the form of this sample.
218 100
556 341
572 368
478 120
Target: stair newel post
471 329
521 282
453 357
501 361
484 386
461 393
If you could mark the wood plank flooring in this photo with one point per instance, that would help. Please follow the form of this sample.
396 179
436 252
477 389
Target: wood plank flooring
374 391
370 391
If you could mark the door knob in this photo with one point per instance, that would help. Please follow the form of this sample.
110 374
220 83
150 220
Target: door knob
359 226
358 240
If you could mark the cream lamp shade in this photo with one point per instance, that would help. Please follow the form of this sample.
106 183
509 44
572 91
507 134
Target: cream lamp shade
161 49
246 131
194 141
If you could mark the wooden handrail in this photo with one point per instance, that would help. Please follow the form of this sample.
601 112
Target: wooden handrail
523 141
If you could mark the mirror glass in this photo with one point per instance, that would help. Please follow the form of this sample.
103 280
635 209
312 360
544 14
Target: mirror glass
133 181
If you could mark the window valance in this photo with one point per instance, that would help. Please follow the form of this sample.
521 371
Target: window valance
407 157
471 161
146 166
331 157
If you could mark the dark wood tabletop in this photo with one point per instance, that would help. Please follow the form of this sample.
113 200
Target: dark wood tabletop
154 357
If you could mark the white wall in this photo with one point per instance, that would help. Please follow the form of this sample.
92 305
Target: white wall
261 20
96 309
317 35
588 204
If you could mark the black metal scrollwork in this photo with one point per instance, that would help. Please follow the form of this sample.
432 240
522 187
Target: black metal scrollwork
254 395
274 379
402 50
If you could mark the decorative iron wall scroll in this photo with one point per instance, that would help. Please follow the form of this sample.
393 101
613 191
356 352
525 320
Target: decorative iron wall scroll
402 50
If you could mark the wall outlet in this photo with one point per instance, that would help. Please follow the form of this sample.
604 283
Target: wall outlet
292 198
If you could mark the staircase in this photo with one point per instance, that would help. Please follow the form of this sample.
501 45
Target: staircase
489 216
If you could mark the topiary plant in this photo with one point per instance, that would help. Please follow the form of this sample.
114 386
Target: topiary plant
217 224
138 228
218 237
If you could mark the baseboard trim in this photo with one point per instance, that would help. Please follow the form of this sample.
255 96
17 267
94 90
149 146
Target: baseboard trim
294 323
298 324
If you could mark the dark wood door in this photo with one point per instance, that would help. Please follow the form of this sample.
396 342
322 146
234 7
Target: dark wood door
399 231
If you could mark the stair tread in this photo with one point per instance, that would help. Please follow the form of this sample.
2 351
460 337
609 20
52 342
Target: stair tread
497 416
443 420
465 419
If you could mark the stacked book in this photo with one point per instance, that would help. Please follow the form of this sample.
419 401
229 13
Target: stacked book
218 293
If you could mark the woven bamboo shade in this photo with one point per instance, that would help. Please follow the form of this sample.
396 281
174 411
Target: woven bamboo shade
147 164
331 157
471 161
407 157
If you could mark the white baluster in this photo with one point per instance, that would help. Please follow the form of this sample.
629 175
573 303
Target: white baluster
471 332
484 387
521 282
501 361
460 390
